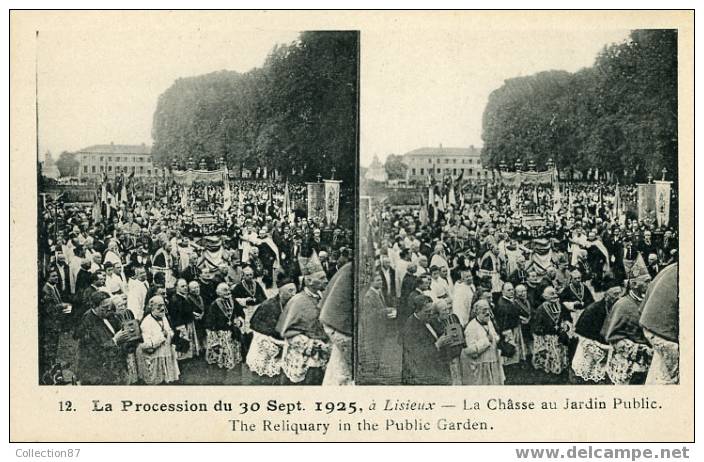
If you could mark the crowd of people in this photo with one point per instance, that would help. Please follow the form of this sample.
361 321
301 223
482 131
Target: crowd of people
234 278
528 284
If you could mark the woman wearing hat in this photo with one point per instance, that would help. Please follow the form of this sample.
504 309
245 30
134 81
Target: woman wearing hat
551 327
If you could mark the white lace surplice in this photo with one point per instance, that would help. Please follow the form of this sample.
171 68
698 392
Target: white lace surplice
627 358
589 362
264 356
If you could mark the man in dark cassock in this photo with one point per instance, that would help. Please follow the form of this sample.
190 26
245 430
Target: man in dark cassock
51 317
223 322
408 285
64 274
192 272
83 277
84 304
591 354
208 286
307 343
577 293
101 355
182 319
631 352
423 361
269 256
647 246
388 281
255 262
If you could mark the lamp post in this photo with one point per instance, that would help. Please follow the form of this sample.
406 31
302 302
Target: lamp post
650 178
664 172
332 173
550 164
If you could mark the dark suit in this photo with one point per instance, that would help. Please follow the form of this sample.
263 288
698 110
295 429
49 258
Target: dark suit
405 307
50 318
423 363
100 360
82 281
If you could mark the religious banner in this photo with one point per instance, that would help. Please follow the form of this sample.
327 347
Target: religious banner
662 202
316 201
332 200
519 178
646 201
188 177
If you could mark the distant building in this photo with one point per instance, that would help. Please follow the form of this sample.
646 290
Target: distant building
423 162
115 159
49 168
376 171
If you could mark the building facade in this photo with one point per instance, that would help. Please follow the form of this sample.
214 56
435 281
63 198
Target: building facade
442 161
115 159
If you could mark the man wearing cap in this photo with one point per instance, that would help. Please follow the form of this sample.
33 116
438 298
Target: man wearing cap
307 349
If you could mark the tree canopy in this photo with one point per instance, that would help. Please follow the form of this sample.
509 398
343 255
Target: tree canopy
296 113
67 164
395 167
620 115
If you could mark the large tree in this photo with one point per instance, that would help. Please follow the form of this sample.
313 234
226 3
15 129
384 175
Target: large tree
67 164
620 115
296 113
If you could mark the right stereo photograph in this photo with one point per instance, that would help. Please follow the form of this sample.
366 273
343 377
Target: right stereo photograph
518 211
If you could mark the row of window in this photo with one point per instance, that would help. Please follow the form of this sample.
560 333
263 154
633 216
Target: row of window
118 159
455 171
454 161
93 169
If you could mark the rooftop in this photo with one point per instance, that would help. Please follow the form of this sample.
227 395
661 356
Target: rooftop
117 149
442 151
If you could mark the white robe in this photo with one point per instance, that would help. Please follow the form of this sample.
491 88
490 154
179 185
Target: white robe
462 301
136 297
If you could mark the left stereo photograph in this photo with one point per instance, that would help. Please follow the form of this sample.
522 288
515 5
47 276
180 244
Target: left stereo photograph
196 207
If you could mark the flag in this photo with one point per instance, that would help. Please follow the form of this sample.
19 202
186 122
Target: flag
423 214
104 190
557 198
184 198
97 205
569 203
227 194
269 201
481 200
451 195
286 206
123 191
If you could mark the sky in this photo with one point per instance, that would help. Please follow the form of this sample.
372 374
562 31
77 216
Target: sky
418 87
424 88
98 85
